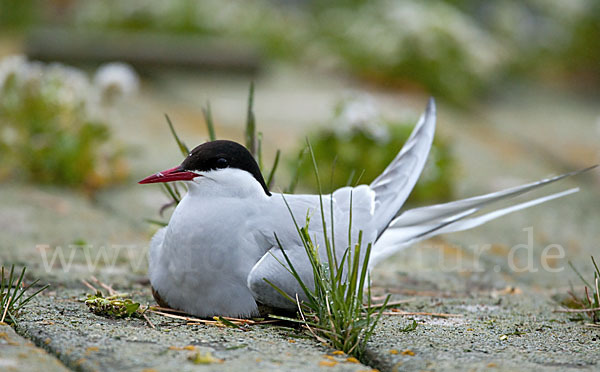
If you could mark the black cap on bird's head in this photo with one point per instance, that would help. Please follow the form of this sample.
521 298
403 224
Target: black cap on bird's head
209 156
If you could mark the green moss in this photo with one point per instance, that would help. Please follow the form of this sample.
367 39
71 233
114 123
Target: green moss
116 306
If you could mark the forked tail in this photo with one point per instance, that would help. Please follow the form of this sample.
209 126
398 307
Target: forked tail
418 224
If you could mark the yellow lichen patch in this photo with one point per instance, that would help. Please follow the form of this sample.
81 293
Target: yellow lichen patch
91 349
328 363
338 352
149 370
189 347
408 352
499 250
292 341
8 341
393 351
329 357
510 291
492 365
470 329
352 360
204 358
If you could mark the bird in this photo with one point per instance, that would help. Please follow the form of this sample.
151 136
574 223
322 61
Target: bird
224 239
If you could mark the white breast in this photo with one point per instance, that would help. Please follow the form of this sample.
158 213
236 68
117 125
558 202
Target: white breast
209 247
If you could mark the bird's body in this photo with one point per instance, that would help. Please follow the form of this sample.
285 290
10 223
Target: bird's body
201 262
221 244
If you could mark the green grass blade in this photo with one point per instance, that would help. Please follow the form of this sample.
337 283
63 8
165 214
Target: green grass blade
12 318
271 176
365 268
19 288
259 152
331 218
8 295
156 222
171 192
3 284
296 175
208 119
579 274
304 287
182 147
251 123
31 296
228 323
596 266
328 248
280 291
340 269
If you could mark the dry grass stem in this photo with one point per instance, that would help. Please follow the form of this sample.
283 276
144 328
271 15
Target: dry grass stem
167 310
390 304
148 320
197 321
407 313
576 310
87 284
111 291
6 310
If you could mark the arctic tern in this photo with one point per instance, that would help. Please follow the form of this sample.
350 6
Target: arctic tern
219 246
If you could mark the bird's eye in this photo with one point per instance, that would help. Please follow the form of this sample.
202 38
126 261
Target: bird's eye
222 163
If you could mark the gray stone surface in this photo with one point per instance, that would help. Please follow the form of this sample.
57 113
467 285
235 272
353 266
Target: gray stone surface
62 324
19 354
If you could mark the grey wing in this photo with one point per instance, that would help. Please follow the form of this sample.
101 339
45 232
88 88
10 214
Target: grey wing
393 186
273 265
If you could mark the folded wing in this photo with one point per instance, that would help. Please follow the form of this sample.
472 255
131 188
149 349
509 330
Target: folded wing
393 186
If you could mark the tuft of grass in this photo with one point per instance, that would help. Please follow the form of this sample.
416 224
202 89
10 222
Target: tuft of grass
590 299
13 294
117 306
335 313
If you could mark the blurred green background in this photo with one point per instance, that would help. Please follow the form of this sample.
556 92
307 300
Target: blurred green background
58 120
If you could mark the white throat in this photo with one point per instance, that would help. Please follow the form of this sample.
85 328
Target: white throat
227 182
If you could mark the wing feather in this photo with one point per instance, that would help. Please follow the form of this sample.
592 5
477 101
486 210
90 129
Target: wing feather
393 186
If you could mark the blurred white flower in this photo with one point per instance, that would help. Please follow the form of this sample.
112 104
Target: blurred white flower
11 66
116 80
8 136
68 86
65 87
358 112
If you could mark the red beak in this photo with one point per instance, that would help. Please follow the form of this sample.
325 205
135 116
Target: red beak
173 174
